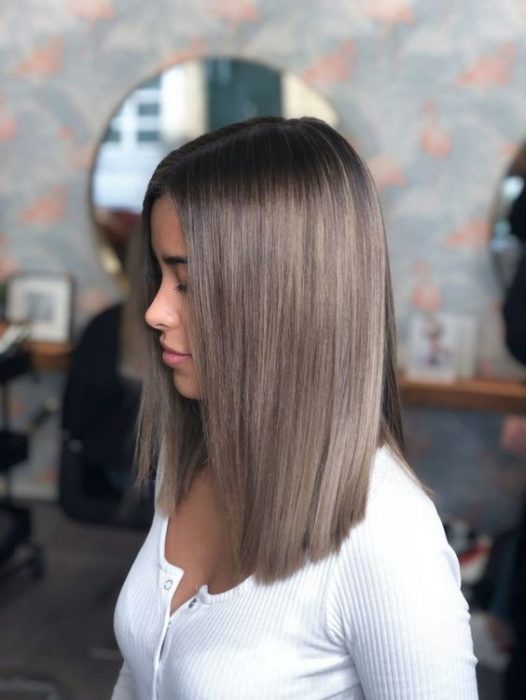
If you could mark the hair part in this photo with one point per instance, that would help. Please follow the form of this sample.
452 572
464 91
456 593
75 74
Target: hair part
295 344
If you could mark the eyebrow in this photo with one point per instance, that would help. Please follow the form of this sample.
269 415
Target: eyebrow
174 260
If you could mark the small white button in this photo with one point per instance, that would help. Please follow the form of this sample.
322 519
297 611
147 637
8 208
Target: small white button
168 584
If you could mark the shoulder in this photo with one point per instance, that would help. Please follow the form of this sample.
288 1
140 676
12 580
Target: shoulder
396 601
397 559
399 514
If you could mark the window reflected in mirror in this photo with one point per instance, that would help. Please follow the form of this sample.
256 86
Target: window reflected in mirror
162 113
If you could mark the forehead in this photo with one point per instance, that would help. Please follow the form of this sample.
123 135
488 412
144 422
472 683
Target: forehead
167 232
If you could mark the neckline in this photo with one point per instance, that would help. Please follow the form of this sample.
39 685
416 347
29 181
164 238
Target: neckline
202 592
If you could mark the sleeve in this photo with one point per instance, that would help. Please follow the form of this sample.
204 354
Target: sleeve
402 616
124 687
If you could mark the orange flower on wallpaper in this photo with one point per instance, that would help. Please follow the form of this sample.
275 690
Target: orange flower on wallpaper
92 10
8 125
471 235
79 156
66 133
390 11
195 49
508 150
435 139
234 11
334 67
489 71
8 264
426 294
47 60
82 157
386 172
46 210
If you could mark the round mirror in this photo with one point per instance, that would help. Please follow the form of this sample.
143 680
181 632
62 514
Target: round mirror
176 106
508 232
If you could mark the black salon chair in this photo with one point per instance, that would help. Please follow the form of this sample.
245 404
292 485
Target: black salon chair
99 415
97 469
17 548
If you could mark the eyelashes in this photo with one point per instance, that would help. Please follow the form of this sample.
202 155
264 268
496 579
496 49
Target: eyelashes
158 278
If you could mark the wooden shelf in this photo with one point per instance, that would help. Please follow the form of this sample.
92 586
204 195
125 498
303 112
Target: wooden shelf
472 394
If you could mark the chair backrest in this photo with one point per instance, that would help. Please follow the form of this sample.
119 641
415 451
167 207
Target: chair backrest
99 413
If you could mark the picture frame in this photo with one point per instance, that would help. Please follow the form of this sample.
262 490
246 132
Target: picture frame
43 300
433 347
442 347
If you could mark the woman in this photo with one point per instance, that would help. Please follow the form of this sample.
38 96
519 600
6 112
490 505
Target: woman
293 553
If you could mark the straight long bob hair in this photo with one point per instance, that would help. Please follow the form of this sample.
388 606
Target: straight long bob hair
290 294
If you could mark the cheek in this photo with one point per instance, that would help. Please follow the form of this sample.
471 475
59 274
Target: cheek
186 319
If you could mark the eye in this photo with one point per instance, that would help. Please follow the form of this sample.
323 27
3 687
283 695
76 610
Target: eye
182 288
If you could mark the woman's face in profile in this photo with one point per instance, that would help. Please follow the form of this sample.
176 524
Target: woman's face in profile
169 313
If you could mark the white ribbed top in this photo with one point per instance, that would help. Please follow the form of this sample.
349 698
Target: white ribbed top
383 618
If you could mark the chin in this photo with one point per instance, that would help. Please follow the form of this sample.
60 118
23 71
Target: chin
185 388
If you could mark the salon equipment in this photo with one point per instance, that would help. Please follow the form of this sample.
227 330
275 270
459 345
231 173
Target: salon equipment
99 414
17 550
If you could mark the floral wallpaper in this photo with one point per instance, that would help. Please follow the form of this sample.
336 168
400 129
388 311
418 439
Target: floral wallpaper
432 94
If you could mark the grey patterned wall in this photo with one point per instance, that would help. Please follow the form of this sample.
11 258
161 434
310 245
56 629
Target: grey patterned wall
433 95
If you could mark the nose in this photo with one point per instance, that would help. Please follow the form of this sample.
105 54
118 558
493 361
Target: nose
162 314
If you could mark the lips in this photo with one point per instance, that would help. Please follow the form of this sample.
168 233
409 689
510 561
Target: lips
174 352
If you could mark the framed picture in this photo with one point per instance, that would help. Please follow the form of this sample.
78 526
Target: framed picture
442 347
43 300
433 352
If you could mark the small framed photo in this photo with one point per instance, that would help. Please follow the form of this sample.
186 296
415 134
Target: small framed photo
44 301
442 347
433 352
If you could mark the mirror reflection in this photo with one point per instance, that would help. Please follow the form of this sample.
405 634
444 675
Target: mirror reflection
508 236
171 108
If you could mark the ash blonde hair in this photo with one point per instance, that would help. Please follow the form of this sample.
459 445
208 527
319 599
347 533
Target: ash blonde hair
290 294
